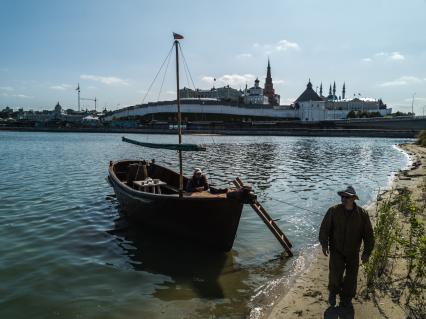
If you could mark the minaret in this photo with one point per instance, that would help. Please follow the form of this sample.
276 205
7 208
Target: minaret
329 91
334 89
321 89
343 91
269 86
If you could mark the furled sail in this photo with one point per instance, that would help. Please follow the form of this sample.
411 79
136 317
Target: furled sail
175 147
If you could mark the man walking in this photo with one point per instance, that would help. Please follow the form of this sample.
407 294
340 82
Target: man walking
343 228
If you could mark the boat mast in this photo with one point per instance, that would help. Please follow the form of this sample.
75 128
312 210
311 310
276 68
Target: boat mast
179 117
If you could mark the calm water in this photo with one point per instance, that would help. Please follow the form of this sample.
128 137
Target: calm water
65 253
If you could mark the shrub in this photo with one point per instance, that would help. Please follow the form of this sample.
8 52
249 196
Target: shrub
421 138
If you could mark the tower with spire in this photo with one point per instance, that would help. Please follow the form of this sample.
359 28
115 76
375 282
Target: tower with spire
334 89
321 90
343 91
269 91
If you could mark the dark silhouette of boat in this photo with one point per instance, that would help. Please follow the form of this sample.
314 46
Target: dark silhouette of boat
210 217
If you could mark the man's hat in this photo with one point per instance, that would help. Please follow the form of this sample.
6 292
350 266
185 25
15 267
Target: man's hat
198 170
349 191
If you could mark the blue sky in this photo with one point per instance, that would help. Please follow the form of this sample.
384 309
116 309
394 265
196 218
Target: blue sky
115 48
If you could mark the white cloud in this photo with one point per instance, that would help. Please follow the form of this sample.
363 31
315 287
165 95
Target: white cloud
61 87
396 56
171 92
279 82
389 56
6 88
108 80
380 54
403 80
22 96
244 55
284 45
280 46
233 80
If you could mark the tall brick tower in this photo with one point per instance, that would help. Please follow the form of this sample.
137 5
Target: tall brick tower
269 87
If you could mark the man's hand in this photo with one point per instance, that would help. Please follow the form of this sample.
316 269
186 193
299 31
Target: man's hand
325 251
364 258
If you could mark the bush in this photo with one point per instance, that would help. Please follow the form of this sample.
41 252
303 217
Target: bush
421 138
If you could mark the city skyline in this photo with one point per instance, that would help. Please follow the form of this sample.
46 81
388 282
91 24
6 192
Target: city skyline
115 50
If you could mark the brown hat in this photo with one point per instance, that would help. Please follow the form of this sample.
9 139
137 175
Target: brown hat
349 191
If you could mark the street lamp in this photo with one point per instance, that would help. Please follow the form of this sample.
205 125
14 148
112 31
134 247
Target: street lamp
412 105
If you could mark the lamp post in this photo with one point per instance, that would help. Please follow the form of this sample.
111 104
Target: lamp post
412 105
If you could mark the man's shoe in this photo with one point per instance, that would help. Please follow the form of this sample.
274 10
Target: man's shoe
332 299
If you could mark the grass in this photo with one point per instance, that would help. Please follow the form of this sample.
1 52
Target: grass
398 241
421 138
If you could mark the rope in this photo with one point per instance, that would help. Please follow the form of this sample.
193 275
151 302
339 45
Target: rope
164 77
290 204
152 83
186 65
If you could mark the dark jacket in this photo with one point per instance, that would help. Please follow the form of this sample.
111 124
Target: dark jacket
343 231
194 182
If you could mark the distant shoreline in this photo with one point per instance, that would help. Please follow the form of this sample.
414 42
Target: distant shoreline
338 132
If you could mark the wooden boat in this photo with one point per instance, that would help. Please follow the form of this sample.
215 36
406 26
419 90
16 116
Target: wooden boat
154 196
208 217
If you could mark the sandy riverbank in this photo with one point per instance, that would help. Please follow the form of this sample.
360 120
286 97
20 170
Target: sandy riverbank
308 296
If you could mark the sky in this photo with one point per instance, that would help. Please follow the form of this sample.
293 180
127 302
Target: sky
114 49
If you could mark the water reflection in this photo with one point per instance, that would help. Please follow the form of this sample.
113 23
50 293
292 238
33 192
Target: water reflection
192 271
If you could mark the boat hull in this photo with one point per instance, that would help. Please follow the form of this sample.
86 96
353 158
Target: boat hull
209 221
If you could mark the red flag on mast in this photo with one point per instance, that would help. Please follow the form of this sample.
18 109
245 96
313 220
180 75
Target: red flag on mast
177 36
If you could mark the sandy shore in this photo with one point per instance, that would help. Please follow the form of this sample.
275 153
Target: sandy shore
308 296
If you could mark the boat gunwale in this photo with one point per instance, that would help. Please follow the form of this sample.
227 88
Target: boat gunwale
132 191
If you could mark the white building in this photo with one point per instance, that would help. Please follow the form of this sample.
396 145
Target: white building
254 95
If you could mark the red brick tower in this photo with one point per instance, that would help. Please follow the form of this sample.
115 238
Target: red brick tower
269 87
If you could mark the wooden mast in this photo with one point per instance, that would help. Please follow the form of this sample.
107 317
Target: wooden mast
179 117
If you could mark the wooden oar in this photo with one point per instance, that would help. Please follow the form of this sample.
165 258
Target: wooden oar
273 227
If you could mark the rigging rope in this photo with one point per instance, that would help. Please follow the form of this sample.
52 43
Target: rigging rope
186 65
290 204
164 77
152 83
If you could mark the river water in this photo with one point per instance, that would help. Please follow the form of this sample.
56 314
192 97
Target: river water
65 253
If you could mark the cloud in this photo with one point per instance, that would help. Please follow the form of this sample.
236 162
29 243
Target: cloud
403 80
244 55
108 80
284 45
280 46
61 87
20 96
6 88
234 80
396 56
171 92
388 56
279 82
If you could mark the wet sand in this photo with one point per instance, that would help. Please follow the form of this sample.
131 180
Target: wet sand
308 296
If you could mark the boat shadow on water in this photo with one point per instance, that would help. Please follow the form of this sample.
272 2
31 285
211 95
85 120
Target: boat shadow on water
194 271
